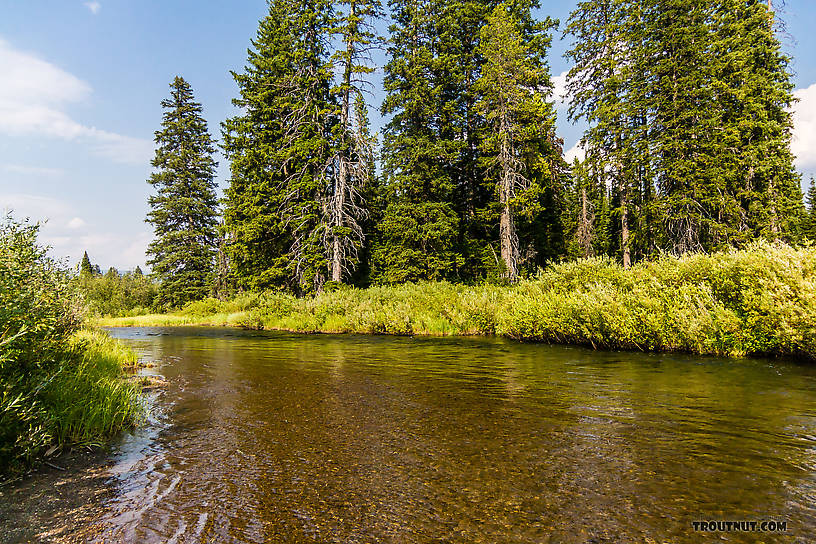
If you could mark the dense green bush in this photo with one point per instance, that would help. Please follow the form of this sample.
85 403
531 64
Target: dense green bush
131 293
58 384
757 300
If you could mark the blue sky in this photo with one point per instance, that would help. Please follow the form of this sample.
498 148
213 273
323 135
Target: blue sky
79 101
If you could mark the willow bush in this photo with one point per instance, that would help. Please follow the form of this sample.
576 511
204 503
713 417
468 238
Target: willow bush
58 383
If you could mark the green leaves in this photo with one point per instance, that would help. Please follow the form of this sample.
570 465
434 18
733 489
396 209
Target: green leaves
41 370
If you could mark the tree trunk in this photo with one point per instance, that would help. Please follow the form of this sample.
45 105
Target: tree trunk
341 188
773 198
339 202
507 227
627 259
585 236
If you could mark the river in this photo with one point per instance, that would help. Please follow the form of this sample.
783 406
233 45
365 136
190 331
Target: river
275 437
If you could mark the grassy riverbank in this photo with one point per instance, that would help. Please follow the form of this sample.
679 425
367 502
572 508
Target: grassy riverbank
760 300
60 384
83 399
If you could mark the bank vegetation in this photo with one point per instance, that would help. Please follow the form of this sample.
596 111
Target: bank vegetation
760 300
60 384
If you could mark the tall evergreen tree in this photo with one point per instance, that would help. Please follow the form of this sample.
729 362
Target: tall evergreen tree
602 84
354 153
309 144
257 242
368 185
280 151
443 215
417 236
184 209
586 213
809 230
754 98
687 106
85 266
519 147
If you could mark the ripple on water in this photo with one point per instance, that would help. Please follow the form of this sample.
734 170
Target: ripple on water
274 437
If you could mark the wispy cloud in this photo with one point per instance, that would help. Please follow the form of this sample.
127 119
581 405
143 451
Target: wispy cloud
93 6
804 127
32 170
33 99
69 235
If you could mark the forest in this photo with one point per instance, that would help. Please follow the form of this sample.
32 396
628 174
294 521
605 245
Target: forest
682 229
687 147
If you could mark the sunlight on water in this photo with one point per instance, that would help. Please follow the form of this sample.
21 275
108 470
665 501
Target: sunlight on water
267 437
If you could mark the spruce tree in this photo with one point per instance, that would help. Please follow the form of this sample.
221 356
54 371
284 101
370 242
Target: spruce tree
369 187
85 267
606 86
280 150
309 143
585 215
687 104
754 97
353 158
519 145
418 234
183 210
257 242
809 230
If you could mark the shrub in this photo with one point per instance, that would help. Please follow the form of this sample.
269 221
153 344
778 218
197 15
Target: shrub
756 300
58 384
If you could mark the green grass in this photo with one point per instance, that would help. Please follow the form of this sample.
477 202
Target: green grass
83 399
89 400
754 301
59 384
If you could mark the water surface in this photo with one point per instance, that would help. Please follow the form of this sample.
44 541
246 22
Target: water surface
273 437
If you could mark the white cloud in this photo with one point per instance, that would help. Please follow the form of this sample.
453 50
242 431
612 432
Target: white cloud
575 152
38 208
69 235
93 6
560 88
33 98
803 144
32 170
76 223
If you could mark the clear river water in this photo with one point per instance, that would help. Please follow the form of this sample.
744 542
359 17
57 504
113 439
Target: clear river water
275 437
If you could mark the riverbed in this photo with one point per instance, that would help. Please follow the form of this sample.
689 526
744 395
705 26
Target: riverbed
276 437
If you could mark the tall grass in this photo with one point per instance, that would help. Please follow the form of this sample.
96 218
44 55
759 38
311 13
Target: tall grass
753 301
88 401
59 384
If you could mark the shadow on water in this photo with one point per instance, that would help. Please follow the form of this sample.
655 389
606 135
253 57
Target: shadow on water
274 437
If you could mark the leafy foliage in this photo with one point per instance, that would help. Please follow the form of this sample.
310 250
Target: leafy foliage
57 384
131 293
759 300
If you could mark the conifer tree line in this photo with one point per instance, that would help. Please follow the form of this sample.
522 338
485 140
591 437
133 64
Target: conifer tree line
687 146
689 133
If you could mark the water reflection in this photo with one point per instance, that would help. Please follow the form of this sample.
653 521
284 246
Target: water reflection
283 438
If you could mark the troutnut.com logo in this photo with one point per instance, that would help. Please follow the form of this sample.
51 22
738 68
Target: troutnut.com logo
747 526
